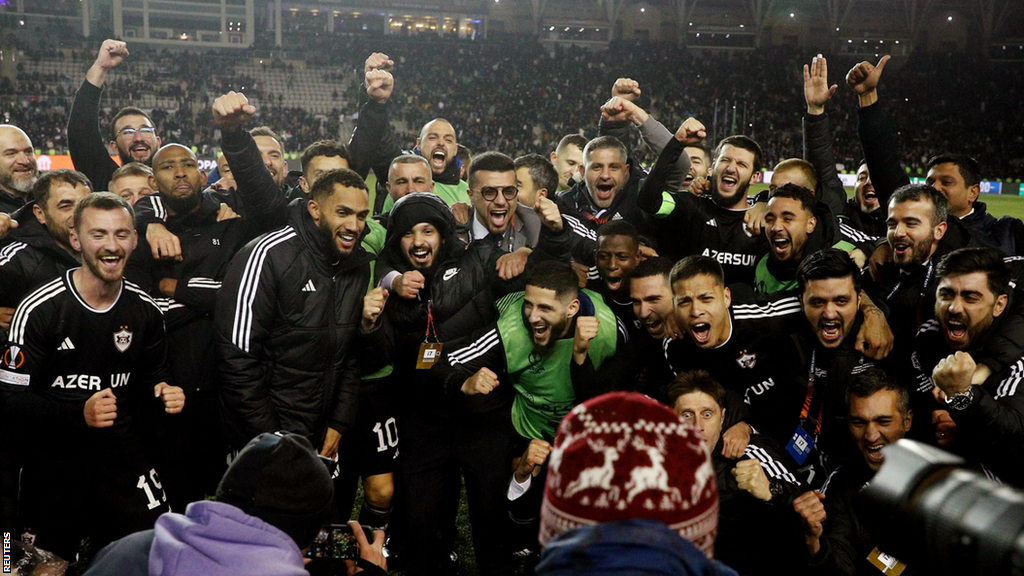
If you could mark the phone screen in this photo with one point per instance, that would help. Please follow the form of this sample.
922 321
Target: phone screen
334 541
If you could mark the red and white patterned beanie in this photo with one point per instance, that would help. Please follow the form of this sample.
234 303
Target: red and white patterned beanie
623 455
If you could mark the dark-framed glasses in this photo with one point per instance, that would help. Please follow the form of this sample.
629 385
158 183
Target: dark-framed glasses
491 192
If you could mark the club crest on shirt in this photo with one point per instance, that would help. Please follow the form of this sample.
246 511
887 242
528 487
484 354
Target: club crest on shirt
746 360
122 339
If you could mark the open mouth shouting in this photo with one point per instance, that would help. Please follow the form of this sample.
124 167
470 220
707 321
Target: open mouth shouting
541 332
438 159
701 333
614 283
870 198
874 452
654 325
421 256
956 331
728 184
830 332
498 218
782 245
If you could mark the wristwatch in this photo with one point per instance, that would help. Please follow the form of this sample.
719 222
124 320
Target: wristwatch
961 400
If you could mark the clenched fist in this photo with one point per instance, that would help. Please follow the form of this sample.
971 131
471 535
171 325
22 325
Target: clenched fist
626 88
549 214
173 397
482 382
373 305
112 53
232 110
378 61
379 85
691 132
586 330
101 409
751 478
953 373
812 512
535 456
408 285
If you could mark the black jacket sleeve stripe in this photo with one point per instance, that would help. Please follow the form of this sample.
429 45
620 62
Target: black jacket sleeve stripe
30 303
7 254
477 348
242 327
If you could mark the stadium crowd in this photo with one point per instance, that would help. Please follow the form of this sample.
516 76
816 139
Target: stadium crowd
513 94
198 369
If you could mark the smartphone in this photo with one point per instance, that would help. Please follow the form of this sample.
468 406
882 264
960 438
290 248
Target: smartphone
335 541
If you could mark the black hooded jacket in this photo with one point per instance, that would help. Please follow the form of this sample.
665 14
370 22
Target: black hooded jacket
459 293
287 319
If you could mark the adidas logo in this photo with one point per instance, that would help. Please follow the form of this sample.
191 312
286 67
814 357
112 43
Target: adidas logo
309 287
712 223
66 345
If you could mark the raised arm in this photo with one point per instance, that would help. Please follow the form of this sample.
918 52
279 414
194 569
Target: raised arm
819 144
877 137
88 149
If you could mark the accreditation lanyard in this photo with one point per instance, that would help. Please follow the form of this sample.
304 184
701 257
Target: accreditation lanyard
801 444
430 352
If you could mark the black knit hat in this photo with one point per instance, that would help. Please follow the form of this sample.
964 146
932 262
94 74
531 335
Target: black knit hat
279 479
413 209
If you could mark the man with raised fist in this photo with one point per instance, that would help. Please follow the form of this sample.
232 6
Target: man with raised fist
133 134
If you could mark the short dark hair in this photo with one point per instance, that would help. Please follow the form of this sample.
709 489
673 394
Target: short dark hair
970 260
267 131
874 380
618 228
554 275
602 142
657 266
799 164
921 193
578 140
131 169
463 154
490 162
696 381
328 148
128 111
827 264
704 150
797 192
744 142
542 172
101 201
41 187
970 169
695 266
324 185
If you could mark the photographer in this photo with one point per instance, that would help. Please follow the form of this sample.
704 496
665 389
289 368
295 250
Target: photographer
269 507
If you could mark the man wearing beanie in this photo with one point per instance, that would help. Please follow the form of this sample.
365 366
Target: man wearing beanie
270 506
441 291
630 490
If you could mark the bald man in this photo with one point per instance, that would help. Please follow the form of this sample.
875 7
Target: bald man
186 289
439 145
18 170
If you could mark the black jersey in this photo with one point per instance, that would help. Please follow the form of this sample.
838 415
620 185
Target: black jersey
61 351
757 361
685 224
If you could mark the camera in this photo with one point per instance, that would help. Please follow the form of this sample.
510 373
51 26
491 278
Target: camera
335 541
925 508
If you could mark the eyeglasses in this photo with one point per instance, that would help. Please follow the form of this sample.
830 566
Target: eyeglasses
491 192
130 132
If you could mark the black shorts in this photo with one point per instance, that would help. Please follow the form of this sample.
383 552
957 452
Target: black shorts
372 444
103 499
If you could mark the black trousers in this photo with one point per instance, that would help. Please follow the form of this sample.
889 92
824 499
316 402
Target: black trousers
437 451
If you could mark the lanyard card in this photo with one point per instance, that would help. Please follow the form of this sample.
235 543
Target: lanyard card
430 352
887 564
800 445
